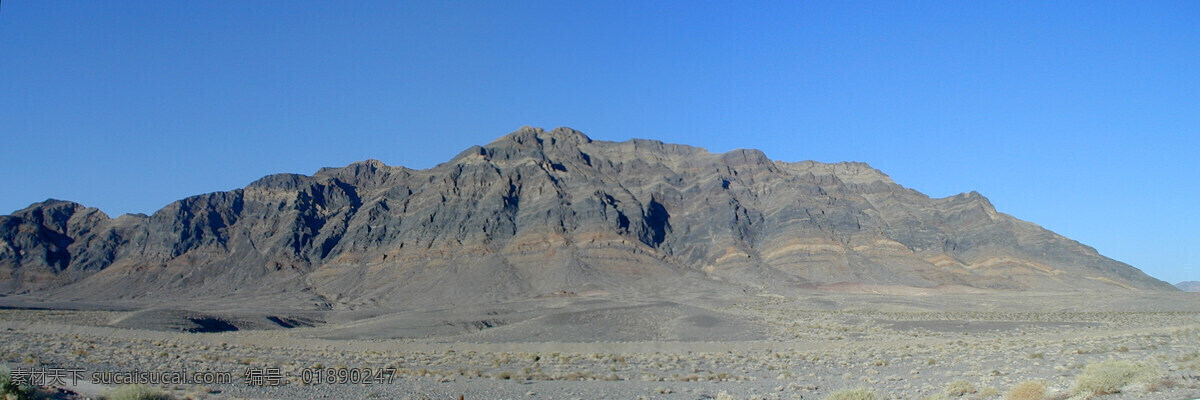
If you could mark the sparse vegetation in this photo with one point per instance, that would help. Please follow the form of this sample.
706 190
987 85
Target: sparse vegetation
852 394
135 392
960 388
1107 377
1030 390
893 361
11 390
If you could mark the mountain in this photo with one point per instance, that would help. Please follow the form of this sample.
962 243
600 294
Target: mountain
1188 286
539 213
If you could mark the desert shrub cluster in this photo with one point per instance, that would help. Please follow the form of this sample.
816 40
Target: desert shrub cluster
10 389
1112 376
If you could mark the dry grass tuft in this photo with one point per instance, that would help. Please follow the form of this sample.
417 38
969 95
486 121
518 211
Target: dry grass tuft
724 396
1029 390
960 388
852 394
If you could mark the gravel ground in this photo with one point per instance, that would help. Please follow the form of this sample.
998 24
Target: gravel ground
803 355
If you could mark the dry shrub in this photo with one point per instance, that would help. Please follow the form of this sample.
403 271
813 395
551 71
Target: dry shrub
1107 377
852 394
10 389
960 388
1029 390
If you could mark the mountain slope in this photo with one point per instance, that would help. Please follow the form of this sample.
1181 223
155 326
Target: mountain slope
1189 286
536 213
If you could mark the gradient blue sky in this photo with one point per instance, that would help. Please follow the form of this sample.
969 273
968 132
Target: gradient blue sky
1083 117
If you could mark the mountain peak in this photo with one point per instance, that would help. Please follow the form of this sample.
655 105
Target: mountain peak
51 203
370 162
532 136
527 143
539 211
50 207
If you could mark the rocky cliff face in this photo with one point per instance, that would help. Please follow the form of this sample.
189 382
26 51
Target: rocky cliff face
536 212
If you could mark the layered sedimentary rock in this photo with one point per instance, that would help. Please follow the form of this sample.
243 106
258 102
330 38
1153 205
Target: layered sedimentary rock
535 213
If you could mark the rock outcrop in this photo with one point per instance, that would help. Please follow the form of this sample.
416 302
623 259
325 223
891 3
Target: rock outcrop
536 213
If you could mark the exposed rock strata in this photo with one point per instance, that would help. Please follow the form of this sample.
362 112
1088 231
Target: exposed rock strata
535 213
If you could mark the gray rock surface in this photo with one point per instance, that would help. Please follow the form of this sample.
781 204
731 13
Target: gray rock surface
540 213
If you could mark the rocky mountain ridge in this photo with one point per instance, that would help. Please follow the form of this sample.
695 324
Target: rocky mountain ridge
540 212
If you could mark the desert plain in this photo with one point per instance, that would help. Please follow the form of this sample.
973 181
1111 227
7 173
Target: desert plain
809 344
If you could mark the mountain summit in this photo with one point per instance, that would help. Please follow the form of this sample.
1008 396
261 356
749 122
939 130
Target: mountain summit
538 212
1189 286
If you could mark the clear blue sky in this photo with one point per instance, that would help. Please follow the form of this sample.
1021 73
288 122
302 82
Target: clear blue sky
1083 117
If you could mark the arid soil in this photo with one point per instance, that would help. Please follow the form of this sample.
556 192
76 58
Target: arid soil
899 347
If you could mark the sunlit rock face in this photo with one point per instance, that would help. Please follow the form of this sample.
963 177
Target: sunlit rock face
540 212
